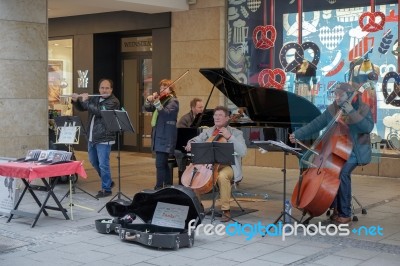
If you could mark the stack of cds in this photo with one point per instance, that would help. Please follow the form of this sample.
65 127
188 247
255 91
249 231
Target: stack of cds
47 156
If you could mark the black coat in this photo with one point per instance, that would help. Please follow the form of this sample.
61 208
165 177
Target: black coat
94 107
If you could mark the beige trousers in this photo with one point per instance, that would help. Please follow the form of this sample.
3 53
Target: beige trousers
225 176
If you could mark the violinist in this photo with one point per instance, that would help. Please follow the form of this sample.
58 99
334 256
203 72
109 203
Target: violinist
226 173
357 116
165 108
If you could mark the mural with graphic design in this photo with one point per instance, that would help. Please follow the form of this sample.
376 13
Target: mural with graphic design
343 36
337 39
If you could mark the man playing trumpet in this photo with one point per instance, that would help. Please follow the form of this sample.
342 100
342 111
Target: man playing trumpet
99 139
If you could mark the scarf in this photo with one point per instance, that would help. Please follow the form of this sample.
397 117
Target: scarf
155 113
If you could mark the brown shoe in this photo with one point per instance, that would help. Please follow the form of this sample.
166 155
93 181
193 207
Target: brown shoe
342 220
226 216
334 215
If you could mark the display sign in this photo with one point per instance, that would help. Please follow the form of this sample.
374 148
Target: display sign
68 135
170 215
136 44
9 194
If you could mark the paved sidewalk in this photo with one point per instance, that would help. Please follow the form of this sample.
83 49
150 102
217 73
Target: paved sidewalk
56 241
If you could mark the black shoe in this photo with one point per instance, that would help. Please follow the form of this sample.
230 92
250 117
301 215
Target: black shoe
157 188
103 194
112 184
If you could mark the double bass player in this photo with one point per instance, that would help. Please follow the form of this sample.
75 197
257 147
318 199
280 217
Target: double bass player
357 117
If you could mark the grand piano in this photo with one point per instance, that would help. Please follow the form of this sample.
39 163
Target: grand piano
265 106
275 112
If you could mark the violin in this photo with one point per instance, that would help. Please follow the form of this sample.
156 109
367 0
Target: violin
202 177
319 181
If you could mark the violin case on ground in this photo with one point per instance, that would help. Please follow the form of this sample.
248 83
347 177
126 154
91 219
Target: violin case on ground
165 216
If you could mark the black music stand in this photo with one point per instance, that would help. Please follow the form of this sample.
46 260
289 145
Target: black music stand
280 146
213 153
117 121
69 121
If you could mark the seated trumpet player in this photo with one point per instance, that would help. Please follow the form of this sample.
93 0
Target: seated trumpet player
99 139
226 173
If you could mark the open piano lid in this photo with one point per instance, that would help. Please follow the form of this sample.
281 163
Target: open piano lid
274 107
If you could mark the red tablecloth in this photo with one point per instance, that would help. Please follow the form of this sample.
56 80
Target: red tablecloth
31 170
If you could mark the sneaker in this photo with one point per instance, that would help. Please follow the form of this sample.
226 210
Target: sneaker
103 193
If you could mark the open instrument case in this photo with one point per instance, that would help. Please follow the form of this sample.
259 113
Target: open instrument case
165 216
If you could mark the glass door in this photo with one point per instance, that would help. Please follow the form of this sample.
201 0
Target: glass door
136 86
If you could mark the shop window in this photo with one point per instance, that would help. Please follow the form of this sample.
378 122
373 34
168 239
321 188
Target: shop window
59 76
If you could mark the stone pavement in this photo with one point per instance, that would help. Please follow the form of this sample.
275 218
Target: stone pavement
56 241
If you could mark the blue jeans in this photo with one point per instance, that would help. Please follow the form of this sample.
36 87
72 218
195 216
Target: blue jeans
163 172
99 157
343 198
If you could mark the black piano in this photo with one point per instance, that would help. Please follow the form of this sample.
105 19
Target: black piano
264 106
274 113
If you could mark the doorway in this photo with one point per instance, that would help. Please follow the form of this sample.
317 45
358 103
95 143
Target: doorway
136 85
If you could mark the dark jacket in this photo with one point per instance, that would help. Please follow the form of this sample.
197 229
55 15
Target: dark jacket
360 124
186 120
93 106
164 133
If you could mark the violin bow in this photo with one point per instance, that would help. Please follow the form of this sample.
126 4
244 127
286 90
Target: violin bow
181 76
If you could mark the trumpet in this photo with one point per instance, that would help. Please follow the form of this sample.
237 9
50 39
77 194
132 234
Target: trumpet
90 95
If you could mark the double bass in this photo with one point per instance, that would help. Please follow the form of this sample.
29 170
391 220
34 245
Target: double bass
319 180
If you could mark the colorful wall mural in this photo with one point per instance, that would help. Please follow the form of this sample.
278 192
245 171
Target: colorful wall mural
340 35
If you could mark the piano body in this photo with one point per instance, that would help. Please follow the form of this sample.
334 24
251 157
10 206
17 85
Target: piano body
266 107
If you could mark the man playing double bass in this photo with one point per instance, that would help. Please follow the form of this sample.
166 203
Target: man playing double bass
226 173
358 117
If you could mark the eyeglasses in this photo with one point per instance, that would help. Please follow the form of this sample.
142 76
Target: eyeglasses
219 115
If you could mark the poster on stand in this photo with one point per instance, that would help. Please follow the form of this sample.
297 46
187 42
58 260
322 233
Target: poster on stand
9 192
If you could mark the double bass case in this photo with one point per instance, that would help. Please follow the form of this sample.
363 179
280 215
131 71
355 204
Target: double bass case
144 205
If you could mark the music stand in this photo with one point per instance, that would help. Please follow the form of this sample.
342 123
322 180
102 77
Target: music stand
280 146
69 130
213 153
117 121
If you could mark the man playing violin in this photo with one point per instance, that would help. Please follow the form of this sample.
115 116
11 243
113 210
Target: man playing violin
226 173
99 139
358 117
165 108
